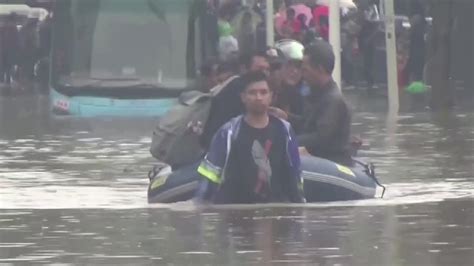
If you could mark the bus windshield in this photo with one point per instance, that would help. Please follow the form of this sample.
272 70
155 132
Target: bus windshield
117 43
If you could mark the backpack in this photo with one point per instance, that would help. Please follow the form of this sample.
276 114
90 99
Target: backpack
176 139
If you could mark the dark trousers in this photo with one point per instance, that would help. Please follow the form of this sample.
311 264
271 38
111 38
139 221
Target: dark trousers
368 53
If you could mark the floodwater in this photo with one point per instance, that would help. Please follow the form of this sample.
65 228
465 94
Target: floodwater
73 192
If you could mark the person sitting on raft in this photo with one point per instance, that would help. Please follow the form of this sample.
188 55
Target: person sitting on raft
287 80
326 121
254 157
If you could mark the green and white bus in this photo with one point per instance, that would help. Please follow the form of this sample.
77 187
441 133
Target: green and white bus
125 57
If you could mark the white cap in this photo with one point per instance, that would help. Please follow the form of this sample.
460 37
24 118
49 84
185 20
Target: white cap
290 49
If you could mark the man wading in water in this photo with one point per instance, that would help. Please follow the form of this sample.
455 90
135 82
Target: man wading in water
254 157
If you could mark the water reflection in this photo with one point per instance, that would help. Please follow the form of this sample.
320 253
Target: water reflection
428 234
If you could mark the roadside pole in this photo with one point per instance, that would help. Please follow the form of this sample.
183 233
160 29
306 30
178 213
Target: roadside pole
269 23
335 38
391 48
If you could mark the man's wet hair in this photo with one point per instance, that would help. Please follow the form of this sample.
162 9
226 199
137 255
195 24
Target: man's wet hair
320 54
246 59
251 78
228 66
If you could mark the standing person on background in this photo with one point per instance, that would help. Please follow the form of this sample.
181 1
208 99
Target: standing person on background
349 31
302 28
247 34
44 51
367 40
44 32
321 21
228 44
209 22
289 25
416 61
11 46
29 46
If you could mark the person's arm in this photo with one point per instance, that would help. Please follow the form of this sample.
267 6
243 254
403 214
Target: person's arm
296 191
327 125
211 168
296 121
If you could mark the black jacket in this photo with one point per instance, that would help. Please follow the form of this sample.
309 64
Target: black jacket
326 125
291 100
225 106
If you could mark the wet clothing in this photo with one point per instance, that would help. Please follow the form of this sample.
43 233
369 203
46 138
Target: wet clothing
326 125
225 106
291 100
250 165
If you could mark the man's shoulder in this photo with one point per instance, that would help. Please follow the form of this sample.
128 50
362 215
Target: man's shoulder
282 124
231 87
231 124
336 95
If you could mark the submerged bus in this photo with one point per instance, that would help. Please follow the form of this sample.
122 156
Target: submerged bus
125 57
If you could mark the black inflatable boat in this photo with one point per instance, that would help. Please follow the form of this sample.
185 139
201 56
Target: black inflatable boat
324 180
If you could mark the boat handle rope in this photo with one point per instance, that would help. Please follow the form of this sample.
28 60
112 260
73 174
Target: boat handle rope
370 171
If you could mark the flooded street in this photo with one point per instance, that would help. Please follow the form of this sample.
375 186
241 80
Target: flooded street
73 192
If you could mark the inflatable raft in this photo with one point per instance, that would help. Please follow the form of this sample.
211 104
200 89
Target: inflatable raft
324 181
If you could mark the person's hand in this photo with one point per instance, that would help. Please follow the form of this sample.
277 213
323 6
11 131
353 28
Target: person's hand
278 113
303 151
196 127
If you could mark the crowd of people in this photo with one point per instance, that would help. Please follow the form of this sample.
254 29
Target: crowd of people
273 107
24 42
242 28
284 103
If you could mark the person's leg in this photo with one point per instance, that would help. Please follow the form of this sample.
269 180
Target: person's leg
8 74
369 55
347 69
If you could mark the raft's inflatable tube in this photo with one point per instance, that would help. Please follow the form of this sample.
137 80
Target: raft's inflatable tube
324 180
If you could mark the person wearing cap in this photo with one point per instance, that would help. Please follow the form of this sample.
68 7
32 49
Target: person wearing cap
289 97
327 118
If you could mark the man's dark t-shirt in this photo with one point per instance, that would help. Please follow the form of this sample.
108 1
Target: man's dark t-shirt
258 169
